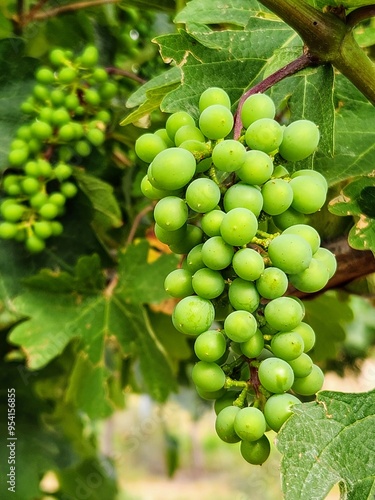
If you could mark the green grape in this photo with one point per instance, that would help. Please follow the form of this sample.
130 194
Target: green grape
310 234
193 236
228 155
193 315
35 244
57 57
92 97
242 195
68 189
210 346
300 139
256 452
172 169
17 157
254 346
278 409
211 221
38 200
178 283
57 97
44 167
31 169
194 260
308 335
255 107
41 92
30 185
208 376
35 145
45 76
248 264
8 230
95 136
225 400
272 283
309 195
287 345
216 253
213 95
239 226
289 217
66 132
18 144
188 133
202 195
264 134
67 75
49 211
108 90
152 192
28 107
83 148
310 385
312 279
202 165
312 173
63 171
224 424
89 57
170 237
12 212
250 424
24 133
277 196
176 121
11 185
257 167
209 395
301 366
327 258
42 229
171 213
243 295
100 75
216 121
104 116
290 252
283 313
275 375
60 116
208 283
240 326
71 102
57 228
57 199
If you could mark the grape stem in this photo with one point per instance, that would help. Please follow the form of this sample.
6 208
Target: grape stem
302 62
128 74
137 221
359 15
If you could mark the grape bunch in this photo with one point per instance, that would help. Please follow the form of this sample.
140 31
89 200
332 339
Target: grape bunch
68 118
240 223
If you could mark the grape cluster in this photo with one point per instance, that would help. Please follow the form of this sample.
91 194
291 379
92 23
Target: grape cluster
68 119
241 225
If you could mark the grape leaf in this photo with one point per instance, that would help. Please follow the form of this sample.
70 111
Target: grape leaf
327 442
357 199
338 3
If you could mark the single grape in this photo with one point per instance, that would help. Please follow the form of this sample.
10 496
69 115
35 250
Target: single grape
228 155
178 283
188 133
152 192
224 424
147 146
57 57
264 134
42 229
57 228
30 185
210 395
216 253
250 424
242 195
327 258
71 102
41 92
202 195
308 335
301 366
216 121
95 136
57 97
38 200
193 236
248 264
68 189
176 121
45 75
208 283
225 400
60 116
210 346
256 452
311 173
257 167
108 90
67 75
193 315
243 295
170 237
312 279
300 139
35 244
100 75
63 171
49 211
163 134
83 148
239 226
172 169
277 196
240 326
208 376
272 283
275 375
211 221
278 409
309 195
254 346
290 252
171 213
12 212
66 132
194 260
283 313
309 233
255 107
310 385
289 218
89 57
287 345
8 230
17 157
213 95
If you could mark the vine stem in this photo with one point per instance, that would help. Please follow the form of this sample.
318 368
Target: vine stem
358 15
137 221
302 62
123 72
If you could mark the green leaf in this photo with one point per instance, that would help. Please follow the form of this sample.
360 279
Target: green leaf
327 442
357 199
164 5
338 3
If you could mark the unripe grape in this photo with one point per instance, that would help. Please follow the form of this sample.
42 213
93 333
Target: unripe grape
60 116
92 97
57 199
248 264
277 196
312 173
192 237
178 283
275 375
202 195
211 221
170 237
250 424
67 75
41 92
35 244
213 95
108 90
66 132
300 139
309 195
240 326
301 366
239 226
272 283
42 229
48 211
287 345
254 346
290 252
89 57
229 155
95 136
30 185
310 385
45 76
255 107
243 295
147 146
277 409
208 376
265 135
256 452
172 169
17 157
68 189
216 121
176 121
57 97
312 279
12 212
257 167
242 195
216 253
100 75
210 346
308 335
171 213
283 313
57 57
188 133
327 258
289 217
208 283
193 315
194 259
8 230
